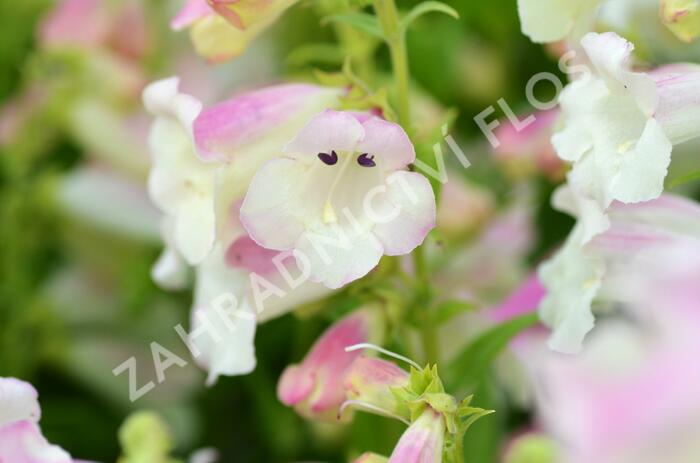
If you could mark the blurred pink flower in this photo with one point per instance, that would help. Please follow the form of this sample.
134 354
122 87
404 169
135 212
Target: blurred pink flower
93 24
587 267
631 394
315 387
529 150
223 29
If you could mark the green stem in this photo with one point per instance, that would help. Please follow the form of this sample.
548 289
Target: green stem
458 449
389 19
396 39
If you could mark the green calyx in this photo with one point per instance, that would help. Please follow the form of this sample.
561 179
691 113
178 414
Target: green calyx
425 389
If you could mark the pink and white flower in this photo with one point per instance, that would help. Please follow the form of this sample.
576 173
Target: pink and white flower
527 150
631 395
21 440
203 159
341 197
620 125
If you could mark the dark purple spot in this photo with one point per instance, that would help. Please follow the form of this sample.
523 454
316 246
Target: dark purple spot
366 160
328 159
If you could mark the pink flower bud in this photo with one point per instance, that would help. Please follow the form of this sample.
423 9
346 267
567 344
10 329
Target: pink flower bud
369 381
315 386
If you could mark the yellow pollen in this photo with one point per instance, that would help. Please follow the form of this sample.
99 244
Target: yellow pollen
329 213
624 147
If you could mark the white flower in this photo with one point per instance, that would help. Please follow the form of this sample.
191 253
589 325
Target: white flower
620 125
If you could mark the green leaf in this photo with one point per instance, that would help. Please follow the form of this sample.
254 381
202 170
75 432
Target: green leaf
683 179
363 21
475 360
450 309
427 7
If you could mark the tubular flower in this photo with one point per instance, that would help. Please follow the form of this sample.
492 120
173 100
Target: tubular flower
620 125
203 159
315 386
553 20
223 29
423 441
341 185
202 164
21 440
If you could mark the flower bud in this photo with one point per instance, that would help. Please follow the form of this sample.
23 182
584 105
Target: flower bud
370 381
315 386
423 441
682 17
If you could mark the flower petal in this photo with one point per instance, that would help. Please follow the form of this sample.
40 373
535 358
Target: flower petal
572 279
389 142
679 105
611 56
642 170
23 442
266 118
191 12
227 320
179 183
553 20
410 194
18 401
423 441
170 271
330 130
272 212
339 255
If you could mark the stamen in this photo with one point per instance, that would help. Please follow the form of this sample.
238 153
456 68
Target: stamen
366 160
367 345
328 159
329 215
370 407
